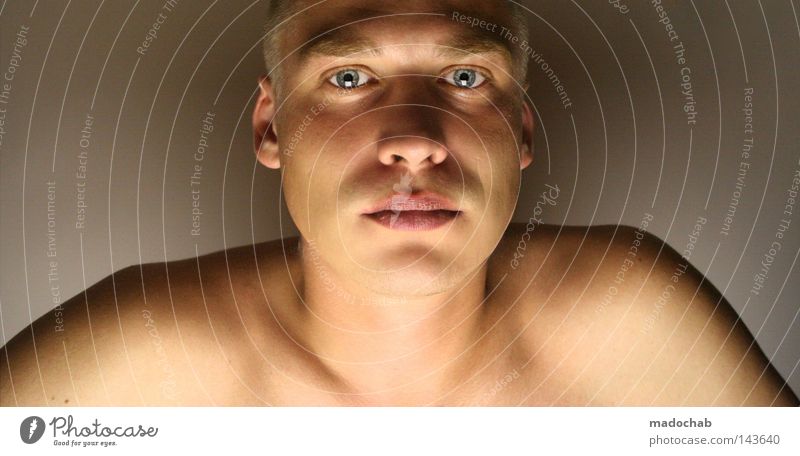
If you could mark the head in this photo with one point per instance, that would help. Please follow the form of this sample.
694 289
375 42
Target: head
400 130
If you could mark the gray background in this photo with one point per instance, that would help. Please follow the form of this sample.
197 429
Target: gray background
613 154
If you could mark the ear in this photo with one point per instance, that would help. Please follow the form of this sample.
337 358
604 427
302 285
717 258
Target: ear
265 138
526 148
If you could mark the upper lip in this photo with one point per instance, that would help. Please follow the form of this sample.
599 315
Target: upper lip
419 201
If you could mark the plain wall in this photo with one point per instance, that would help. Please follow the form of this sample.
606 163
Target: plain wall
619 151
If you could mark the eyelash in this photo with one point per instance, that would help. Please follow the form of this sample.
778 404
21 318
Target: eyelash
442 77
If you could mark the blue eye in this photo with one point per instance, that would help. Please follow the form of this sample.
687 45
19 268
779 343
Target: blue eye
349 79
465 78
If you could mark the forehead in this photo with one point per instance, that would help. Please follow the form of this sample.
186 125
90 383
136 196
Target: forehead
395 23
332 11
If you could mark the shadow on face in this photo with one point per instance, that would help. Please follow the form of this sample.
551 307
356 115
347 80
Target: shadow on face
400 133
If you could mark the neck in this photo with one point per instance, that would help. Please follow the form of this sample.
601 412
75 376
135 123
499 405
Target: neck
389 346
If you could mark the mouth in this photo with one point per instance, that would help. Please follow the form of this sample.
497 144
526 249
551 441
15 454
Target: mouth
421 212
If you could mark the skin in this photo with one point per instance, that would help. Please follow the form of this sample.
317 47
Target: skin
352 313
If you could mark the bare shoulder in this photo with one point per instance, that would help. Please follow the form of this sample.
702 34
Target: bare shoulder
647 328
697 349
144 335
79 349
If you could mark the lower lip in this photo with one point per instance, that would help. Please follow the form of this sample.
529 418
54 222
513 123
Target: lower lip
413 220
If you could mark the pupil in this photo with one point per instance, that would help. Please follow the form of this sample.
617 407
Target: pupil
347 79
464 78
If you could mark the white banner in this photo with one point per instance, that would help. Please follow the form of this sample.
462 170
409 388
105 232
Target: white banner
400 431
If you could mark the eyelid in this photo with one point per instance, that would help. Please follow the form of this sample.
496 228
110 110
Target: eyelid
486 74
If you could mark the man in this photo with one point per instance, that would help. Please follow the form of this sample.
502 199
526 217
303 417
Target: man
400 130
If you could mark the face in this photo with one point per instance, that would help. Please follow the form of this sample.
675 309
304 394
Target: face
400 132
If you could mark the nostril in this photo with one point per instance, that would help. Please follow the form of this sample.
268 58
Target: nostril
412 151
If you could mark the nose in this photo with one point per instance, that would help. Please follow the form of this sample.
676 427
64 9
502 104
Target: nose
412 130
414 152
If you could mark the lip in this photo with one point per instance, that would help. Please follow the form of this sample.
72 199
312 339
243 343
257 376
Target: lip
421 201
422 211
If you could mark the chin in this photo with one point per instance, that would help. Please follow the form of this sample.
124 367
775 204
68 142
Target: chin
414 271
413 282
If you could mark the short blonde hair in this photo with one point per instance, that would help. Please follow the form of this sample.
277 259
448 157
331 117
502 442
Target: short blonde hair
280 11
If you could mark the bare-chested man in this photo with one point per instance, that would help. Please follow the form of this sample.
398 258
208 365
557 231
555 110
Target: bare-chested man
403 287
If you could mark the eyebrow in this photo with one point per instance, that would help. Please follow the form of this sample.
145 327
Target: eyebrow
342 43
339 43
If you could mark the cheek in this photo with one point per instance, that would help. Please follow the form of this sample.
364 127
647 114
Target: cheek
498 167
312 185
502 190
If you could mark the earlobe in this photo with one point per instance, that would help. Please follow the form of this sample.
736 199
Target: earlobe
526 147
265 138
